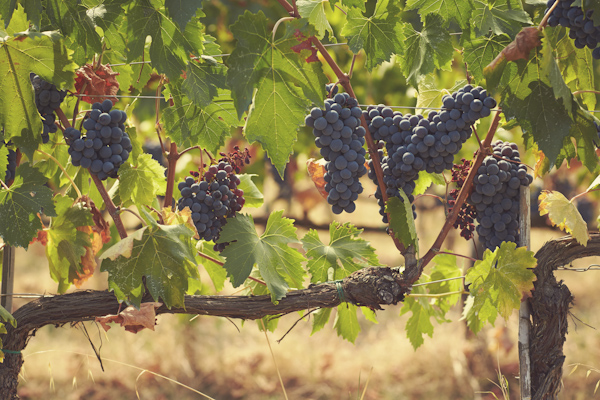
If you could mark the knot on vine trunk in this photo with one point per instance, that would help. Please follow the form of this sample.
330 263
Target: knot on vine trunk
373 286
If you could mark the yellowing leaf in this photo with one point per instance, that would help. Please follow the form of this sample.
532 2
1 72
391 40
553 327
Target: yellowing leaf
564 215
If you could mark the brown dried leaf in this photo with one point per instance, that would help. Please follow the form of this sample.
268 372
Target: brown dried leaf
88 261
132 319
100 227
101 82
316 170
525 41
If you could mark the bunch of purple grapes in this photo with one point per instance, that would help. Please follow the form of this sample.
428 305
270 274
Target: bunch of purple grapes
496 194
11 167
581 26
47 99
105 146
212 199
414 143
340 137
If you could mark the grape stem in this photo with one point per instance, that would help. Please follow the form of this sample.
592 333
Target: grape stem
62 117
79 195
172 157
110 206
4 185
75 109
212 259
583 194
136 214
457 255
585 91
157 124
279 22
436 296
544 22
413 274
345 82
439 281
430 195
190 149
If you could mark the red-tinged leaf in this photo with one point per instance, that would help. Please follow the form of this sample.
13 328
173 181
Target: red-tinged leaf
101 83
525 41
305 44
316 171
132 319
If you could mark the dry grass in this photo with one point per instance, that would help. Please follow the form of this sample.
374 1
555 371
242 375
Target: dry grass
211 356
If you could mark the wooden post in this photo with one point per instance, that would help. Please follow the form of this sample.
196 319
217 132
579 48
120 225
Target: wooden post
8 277
524 312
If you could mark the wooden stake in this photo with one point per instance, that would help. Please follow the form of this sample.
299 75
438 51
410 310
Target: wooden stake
524 312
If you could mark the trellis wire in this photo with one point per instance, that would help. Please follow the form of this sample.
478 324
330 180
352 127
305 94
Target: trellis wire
360 105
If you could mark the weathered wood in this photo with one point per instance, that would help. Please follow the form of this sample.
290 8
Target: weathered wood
524 312
549 311
370 287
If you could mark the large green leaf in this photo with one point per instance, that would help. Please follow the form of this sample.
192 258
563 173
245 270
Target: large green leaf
499 17
402 221
181 11
286 84
20 204
171 46
66 245
162 254
78 21
189 125
253 196
431 96
564 214
498 283
204 78
217 273
314 10
479 52
452 10
279 264
379 35
346 322
345 253
20 54
427 50
141 183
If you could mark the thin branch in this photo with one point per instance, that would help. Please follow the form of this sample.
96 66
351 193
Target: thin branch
110 206
136 214
437 295
456 254
190 149
288 7
279 21
429 195
209 258
172 158
439 281
352 66
75 112
585 91
339 8
583 194
62 117
542 24
296 323
157 124
274 360
79 195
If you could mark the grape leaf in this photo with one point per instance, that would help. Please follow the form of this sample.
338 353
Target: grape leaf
217 273
402 222
497 284
162 254
425 180
576 65
445 267
21 54
563 214
279 265
66 244
593 185
595 7
479 52
20 204
3 160
459 11
345 253
314 10
189 125
430 96
547 120
170 47
427 50
286 83
499 16
204 78
419 323
140 184
320 318
253 196
7 8
346 322
380 35
181 11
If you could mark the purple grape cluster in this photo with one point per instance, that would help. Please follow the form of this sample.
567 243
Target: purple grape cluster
105 146
496 194
581 26
47 99
414 143
340 137
212 200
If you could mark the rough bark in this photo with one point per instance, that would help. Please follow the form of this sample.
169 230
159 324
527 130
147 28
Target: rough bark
549 311
370 287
